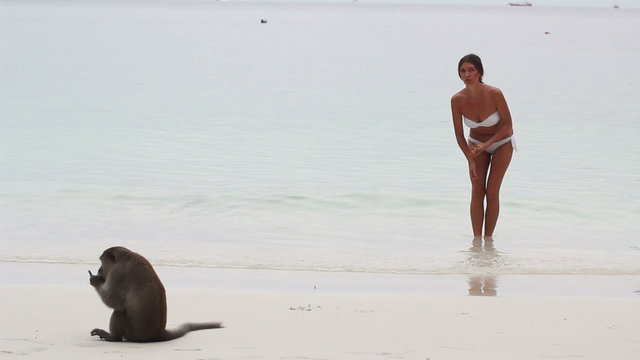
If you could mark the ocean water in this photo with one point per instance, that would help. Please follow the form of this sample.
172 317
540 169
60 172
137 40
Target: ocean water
196 135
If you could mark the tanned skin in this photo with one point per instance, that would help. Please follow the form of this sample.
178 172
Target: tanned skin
127 283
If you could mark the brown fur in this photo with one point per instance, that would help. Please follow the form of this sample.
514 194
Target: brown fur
127 283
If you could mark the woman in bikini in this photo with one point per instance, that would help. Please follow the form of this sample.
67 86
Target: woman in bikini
488 150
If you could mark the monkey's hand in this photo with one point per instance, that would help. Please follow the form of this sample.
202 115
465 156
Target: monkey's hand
104 335
95 280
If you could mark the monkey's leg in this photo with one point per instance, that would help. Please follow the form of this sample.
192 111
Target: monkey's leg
116 326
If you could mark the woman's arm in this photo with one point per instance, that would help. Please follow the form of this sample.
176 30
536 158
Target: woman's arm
456 114
457 127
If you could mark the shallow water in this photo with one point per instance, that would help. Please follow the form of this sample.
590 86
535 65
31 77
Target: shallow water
322 140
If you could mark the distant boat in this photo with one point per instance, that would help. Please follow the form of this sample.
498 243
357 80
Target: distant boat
520 3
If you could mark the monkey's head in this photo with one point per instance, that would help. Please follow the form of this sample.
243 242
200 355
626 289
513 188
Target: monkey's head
109 258
112 256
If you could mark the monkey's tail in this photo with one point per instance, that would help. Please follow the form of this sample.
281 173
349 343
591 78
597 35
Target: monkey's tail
181 330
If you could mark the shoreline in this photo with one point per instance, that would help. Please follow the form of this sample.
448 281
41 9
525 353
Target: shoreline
514 285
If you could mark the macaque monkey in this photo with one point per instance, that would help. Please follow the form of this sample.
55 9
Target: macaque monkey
127 283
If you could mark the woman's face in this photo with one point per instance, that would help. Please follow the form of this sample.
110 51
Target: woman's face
469 74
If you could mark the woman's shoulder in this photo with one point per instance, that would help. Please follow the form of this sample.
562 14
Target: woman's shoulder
459 95
493 90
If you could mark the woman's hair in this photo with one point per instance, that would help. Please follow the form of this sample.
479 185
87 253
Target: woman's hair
475 61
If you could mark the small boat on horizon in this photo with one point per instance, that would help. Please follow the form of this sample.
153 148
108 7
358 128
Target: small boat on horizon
520 3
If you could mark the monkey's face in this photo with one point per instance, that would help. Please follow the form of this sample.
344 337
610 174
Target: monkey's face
108 260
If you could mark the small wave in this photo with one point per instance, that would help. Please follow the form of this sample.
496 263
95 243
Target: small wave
206 204
468 263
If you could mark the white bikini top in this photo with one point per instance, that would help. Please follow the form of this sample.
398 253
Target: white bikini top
489 121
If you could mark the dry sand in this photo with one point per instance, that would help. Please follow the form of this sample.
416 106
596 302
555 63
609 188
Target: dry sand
52 321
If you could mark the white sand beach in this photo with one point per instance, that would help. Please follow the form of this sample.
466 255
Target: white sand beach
40 321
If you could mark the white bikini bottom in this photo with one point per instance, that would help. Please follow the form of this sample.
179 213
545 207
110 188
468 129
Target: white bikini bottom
493 147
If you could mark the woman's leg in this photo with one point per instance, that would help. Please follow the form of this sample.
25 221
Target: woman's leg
478 192
499 163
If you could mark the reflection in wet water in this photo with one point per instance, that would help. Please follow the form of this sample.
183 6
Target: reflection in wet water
482 257
483 286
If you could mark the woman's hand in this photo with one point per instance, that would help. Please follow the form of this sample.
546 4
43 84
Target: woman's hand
475 150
